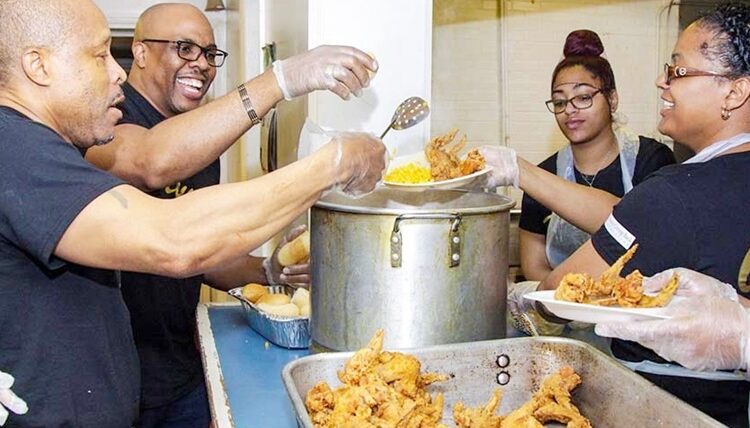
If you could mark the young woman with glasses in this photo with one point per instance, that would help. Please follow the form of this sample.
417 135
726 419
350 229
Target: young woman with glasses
601 154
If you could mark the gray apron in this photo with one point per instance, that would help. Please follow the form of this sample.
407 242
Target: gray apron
562 237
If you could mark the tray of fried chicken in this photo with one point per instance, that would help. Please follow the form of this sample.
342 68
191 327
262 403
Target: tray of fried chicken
521 382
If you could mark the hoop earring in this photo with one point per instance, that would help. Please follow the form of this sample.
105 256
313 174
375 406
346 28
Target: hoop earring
726 114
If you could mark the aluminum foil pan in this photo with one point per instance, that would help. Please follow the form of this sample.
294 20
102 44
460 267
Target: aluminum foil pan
287 332
610 394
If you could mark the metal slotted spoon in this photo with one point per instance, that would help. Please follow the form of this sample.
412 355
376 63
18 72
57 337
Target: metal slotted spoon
409 113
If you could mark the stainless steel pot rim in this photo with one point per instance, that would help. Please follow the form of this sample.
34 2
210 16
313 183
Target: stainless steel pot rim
389 202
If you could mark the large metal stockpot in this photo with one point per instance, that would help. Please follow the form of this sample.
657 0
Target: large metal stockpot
428 267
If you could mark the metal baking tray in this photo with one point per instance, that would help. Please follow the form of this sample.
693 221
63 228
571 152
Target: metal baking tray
610 394
287 332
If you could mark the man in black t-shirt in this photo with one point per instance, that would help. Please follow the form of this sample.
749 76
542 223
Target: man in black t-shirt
162 149
65 225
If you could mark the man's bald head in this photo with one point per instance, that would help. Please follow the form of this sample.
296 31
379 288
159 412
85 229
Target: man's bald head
160 71
33 23
155 17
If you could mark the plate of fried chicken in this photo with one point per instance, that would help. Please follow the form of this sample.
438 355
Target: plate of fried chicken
440 166
608 298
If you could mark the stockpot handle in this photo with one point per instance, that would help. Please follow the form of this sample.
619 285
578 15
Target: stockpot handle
454 236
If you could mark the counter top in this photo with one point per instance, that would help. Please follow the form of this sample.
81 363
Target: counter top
243 369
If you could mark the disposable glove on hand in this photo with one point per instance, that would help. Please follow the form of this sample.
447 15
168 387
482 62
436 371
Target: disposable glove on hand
342 70
359 162
522 313
691 283
704 333
9 400
297 275
504 165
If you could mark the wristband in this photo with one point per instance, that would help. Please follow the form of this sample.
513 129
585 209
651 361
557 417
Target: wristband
248 104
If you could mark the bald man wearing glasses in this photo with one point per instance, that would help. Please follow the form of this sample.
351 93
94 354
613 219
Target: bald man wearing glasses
168 144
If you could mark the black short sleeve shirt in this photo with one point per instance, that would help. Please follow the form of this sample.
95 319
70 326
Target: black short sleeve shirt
692 216
163 309
65 332
652 155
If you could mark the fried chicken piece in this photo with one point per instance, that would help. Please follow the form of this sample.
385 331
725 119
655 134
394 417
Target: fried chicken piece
629 290
362 360
551 403
474 162
479 417
523 417
380 389
573 287
444 161
319 403
611 276
663 297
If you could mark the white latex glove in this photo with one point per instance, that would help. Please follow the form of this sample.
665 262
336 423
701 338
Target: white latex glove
297 275
522 313
9 400
691 283
342 70
359 162
704 333
504 166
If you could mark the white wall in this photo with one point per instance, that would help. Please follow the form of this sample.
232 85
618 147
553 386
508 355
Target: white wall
399 34
532 38
466 66
124 14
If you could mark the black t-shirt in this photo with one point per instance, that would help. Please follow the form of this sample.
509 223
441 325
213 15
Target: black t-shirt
684 216
65 331
652 155
162 309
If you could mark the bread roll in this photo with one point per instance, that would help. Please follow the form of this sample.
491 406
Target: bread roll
304 310
296 251
301 297
274 299
253 292
287 310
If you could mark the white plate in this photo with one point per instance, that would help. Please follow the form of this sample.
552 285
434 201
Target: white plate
594 314
420 159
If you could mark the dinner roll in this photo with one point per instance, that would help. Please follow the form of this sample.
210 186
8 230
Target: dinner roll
253 291
287 310
296 251
301 297
274 299
304 310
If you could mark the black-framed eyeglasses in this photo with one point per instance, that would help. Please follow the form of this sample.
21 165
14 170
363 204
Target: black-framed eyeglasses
672 72
190 51
581 102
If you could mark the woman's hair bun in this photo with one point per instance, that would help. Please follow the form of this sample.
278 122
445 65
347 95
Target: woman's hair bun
583 43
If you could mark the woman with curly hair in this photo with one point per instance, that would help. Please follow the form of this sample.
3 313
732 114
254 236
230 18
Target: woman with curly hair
692 215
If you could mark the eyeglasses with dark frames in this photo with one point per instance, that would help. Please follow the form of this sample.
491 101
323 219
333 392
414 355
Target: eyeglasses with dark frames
672 72
190 51
581 102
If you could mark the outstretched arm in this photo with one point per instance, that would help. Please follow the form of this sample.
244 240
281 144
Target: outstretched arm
555 193
204 229
186 143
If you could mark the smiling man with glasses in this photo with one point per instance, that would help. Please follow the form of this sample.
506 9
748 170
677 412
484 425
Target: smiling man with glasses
168 143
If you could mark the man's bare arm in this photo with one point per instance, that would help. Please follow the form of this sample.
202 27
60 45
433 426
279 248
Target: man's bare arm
207 228
184 144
